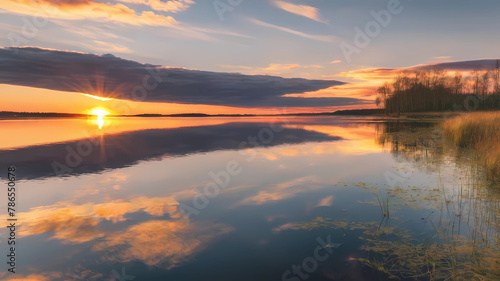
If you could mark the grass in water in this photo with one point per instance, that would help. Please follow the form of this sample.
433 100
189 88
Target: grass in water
479 131
403 255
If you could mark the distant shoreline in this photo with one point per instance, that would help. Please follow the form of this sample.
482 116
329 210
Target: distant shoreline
11 115
20 115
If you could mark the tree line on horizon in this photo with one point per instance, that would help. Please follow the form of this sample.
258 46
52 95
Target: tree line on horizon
435 90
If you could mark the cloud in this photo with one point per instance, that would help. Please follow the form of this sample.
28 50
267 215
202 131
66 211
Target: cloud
326 202
46 276
178 30
301 10
190 32
369 73
442 58
172 6
335 61
313 66
360 90
281 191
85 10
109 47
80 223
287 226
76 273
113 77
369 79
271 69
89 31
459 65
275 66
324 38
167 244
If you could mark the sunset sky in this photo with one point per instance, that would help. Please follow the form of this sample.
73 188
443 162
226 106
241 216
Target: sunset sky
289 38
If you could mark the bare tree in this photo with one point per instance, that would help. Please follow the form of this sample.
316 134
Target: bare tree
434 90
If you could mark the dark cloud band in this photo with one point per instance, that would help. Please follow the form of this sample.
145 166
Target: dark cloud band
110 76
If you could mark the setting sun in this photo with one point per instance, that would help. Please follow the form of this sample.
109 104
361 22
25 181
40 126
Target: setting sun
100 113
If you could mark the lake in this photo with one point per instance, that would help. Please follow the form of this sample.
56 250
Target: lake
257 198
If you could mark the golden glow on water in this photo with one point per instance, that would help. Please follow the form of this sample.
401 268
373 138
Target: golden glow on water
76 212
69 129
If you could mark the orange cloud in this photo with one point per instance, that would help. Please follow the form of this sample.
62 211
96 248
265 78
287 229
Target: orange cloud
76 273
442 58
314 66
370 74
111 48
284 227
360 90
71 224
80 223
301 10
85 10
172 6
277 66
157 242
384 74
34 277
161 243
289 152
325 202
361 142
280 191
115 211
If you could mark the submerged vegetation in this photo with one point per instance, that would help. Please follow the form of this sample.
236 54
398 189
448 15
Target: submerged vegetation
394 252
480 132
401 254
458 235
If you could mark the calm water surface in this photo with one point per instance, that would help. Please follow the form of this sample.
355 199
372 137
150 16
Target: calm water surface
261 198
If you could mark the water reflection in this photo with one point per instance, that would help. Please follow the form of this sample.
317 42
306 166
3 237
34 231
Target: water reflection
418 142
326 177
466 212
124 149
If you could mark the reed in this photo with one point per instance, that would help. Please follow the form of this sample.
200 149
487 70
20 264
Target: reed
479 131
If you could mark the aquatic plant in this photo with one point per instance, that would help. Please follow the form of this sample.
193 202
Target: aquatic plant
479 131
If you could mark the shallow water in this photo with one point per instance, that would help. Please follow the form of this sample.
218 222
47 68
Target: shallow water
260 198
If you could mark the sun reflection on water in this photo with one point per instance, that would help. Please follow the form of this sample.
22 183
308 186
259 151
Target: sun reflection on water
100 113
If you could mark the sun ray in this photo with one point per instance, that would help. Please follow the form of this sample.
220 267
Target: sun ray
97 98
